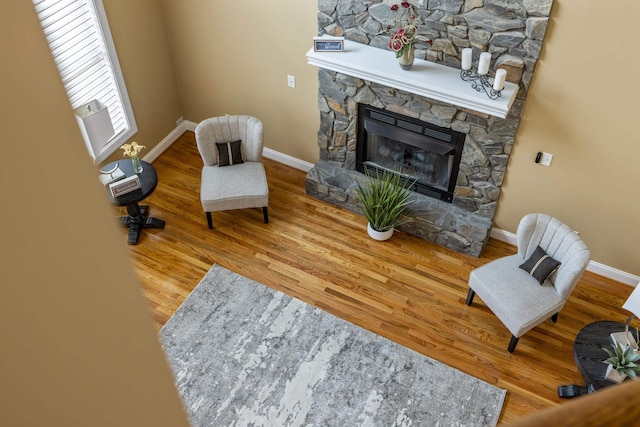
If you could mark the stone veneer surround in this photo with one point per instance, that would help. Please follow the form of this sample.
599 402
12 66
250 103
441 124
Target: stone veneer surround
512 30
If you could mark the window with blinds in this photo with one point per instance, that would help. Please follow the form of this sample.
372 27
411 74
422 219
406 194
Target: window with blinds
80 41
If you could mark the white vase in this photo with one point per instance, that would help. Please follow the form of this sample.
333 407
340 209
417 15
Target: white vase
406 59
613 375
379 235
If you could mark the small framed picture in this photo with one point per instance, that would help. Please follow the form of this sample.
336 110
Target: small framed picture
124 186
328 44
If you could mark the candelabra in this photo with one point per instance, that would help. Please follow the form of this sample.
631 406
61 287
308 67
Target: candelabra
479 80
479 83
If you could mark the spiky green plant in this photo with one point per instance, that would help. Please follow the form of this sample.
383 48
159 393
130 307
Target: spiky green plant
384 198
623 360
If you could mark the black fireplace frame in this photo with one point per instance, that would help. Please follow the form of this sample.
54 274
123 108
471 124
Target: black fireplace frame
412 132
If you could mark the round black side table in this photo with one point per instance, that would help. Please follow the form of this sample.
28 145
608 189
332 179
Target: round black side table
588 352
137 217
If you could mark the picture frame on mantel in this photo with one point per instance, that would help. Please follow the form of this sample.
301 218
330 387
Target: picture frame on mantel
328 44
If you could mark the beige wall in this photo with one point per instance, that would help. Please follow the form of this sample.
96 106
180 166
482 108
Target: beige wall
235 58
140 38
583 108
78 346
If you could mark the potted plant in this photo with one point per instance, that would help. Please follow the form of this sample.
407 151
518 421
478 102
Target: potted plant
622 363
383 200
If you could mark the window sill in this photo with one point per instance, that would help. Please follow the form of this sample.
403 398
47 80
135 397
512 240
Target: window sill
112 145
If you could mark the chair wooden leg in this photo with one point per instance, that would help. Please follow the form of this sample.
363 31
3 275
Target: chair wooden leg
265 213
470 296
209 220
512 343
554 318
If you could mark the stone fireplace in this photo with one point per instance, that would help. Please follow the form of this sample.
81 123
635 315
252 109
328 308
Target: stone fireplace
459 216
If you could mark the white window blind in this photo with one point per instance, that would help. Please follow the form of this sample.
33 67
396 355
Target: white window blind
80 41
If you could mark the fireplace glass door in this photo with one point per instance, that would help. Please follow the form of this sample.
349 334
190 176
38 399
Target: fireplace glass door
412 148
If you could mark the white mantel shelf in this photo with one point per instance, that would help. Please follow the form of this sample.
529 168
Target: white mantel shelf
425 78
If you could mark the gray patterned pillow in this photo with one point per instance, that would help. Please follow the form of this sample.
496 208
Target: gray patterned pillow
229 153
540 265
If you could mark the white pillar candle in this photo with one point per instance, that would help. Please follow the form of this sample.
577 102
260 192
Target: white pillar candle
498 82
466 58
483 65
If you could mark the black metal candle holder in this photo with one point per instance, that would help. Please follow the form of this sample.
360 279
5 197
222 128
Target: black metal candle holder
479 83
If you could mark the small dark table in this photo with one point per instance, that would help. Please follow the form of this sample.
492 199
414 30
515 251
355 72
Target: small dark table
588 352
138 215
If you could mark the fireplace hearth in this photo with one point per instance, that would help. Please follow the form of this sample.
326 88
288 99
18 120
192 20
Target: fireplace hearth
424 152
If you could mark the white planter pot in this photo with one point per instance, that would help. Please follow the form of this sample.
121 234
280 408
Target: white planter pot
613 375
379 235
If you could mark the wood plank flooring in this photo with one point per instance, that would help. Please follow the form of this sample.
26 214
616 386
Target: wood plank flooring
406 289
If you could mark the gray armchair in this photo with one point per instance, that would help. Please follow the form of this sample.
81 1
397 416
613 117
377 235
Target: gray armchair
514 295
233 176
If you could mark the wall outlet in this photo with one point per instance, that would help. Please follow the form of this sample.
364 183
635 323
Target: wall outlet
545 159
291 81
180 121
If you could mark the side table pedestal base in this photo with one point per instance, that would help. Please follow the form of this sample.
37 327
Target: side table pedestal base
137 220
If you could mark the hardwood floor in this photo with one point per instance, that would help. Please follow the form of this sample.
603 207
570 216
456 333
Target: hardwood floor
406 289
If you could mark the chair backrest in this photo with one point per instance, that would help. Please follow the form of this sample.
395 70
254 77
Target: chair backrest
247 129
558 241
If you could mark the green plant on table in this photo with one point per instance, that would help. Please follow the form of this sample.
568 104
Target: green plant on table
623 360
384 198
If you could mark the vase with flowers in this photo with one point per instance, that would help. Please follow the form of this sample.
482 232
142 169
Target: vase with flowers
404 33
133 151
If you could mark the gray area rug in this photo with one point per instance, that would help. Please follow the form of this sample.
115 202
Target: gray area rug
245 355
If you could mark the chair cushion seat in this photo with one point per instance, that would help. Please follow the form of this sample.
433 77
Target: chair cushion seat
514 296
234 187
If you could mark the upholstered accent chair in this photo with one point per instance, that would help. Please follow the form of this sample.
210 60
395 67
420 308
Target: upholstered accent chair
233 176
523 299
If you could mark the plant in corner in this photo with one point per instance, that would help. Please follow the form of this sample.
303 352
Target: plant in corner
383 199
622 360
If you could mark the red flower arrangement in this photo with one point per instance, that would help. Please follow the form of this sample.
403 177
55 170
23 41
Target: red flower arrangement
404 30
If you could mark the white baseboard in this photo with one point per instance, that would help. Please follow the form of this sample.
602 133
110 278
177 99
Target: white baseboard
287 160
503 236
496 233
594 266
190 125
165 143
613 273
